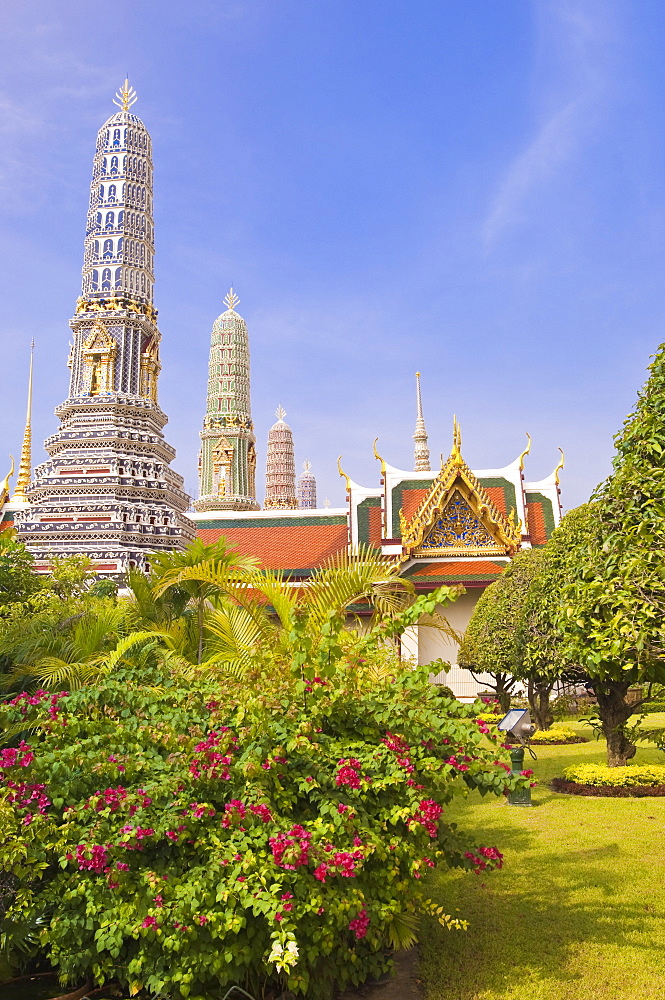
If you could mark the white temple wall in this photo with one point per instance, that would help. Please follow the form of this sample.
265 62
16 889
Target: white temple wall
434 645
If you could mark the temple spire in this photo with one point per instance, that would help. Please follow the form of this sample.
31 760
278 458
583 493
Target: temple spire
306 488
25 468
421 451
280 466
227 469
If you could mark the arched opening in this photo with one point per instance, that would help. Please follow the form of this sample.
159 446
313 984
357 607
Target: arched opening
114 165
112 190
108 249
110 216
106 279
118 277
95 281
116 138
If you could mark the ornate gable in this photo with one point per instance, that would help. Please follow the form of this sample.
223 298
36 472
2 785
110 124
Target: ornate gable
457 517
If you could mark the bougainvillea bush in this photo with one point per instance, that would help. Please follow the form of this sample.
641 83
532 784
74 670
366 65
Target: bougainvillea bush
181 838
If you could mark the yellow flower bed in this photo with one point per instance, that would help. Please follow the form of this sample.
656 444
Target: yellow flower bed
624 777
556 734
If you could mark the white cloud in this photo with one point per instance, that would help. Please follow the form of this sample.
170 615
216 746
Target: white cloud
574 35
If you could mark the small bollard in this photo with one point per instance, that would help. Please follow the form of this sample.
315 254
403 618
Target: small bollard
521 796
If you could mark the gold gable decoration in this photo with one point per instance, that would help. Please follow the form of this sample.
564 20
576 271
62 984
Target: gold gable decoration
99 351
457 517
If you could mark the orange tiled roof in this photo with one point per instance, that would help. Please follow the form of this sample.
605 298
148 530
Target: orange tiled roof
375 529
287 546
537 529
498 497
411 501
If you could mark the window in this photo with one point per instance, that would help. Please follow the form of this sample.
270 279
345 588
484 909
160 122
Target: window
120 242
101 192
143 283
99 220
106 279
118 277
95 281
114 164
109 220
108 249
121 219
112 189
96 245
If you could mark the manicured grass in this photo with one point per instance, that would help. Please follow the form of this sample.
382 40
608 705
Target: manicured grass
577 912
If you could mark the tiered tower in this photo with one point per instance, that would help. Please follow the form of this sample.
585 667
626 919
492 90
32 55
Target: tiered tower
280 466
107 490
227 463
421 451
306 488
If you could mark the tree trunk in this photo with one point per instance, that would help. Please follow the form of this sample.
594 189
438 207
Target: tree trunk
503 685
614 712
538 693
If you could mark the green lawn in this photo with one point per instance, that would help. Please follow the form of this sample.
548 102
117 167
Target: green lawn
577 912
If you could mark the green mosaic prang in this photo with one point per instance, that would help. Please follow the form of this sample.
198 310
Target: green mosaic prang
272 522
548 511
362 513
397 493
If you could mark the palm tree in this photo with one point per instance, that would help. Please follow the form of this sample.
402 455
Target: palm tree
244 612
201 571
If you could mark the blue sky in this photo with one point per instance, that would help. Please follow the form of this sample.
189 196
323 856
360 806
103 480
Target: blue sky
470 188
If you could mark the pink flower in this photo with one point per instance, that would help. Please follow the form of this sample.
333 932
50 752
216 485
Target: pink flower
360 924
149 922
427 814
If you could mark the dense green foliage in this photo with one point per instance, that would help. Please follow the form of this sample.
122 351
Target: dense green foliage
183 837
239 787
494 641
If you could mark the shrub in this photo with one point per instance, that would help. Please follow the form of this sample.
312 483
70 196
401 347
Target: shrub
630 775
557 735
189 837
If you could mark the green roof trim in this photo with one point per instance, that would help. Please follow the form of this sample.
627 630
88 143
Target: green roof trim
272 522
548 511
362 512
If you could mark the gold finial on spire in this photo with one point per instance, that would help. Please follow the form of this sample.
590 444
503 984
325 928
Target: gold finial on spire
231 300
457 440
4 485
280 412
25 468
525 452
125 97
379 459
559 467
343 473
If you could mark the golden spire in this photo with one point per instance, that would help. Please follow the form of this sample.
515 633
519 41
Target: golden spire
559 467
25 468
456 453
125 97
525 452
4 485
231 300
